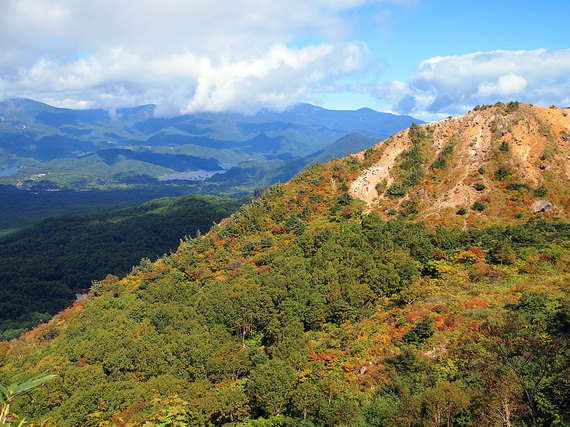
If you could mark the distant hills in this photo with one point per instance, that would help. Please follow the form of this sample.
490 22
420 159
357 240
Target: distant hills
99 149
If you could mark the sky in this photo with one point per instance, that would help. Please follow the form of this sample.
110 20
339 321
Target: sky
425 58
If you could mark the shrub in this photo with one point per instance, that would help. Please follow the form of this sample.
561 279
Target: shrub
396 190
481 170
441 161
515 186
480 186
505 146
381 187
502 173
541 191
478 206
461 211
512 106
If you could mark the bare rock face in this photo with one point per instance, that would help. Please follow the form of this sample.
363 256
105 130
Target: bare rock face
541 206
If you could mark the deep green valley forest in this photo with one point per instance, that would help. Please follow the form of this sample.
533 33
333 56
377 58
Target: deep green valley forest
43 266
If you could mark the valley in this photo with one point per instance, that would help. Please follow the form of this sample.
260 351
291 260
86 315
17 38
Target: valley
44 266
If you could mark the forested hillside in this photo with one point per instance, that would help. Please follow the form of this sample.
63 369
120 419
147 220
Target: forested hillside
311 306
44 266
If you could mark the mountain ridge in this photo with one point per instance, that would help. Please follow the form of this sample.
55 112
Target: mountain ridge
41 139
529 144
310 307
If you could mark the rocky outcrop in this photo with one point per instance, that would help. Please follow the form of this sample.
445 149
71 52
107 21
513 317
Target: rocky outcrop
541 206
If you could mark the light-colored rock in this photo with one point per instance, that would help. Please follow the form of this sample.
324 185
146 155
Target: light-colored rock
541 206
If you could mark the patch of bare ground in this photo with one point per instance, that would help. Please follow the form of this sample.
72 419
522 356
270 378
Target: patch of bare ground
364 187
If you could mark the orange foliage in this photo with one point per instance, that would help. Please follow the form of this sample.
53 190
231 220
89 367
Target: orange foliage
277 229
263 269
4 349
327 358
439 323
415 314
194 274
475 303
348 367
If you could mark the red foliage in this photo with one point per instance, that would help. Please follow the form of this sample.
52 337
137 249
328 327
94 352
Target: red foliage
545 257
474 327
415 314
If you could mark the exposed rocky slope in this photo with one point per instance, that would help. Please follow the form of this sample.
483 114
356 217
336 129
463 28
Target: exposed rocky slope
506 156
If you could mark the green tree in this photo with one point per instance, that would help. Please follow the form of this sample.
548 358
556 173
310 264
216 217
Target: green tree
271 386
442 402
501 253
535 358
421 332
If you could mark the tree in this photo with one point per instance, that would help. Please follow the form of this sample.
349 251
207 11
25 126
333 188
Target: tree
528 352
421 332
501 253
305 397
443 402
272 385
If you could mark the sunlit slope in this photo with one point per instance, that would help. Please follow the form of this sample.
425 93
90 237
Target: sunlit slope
304 308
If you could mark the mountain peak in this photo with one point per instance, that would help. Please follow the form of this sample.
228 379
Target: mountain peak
490 163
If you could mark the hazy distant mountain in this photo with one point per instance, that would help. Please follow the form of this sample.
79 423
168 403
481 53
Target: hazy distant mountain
365 121
351 143
63 144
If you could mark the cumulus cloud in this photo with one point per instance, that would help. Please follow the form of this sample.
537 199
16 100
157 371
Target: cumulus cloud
454 84
184 55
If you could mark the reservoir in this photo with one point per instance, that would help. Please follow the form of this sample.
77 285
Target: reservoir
199 175
9 171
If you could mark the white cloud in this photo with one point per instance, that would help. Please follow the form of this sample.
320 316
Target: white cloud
454 84
184 55
506 85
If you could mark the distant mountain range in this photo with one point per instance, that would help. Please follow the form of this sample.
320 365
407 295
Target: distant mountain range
99 149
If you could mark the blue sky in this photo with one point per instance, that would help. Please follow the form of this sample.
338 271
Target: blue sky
429 59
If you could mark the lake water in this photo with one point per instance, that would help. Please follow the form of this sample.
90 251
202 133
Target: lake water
9 171
199 175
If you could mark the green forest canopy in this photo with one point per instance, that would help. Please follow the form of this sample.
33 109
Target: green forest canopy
303 310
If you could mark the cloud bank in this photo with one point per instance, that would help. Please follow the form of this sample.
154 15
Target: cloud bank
454 84
189 55
182 55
